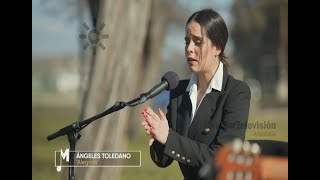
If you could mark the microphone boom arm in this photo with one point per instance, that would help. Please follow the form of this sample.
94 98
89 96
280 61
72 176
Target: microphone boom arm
73 130
169 81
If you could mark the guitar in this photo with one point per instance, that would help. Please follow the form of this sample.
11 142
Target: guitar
243 161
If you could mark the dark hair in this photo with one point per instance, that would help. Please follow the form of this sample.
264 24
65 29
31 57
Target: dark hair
215 27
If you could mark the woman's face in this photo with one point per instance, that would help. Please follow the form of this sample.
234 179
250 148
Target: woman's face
201 54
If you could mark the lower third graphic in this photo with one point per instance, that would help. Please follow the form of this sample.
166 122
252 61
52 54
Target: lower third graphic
98 159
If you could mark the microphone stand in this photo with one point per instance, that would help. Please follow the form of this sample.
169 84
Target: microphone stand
73 130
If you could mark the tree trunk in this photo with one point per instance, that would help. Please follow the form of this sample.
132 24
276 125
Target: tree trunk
118 75
151 56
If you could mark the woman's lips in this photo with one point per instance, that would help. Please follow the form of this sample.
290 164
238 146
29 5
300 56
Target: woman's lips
192 61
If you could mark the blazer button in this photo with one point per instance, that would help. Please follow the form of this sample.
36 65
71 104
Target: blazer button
188 160
172 152
183 158
178 155
206 131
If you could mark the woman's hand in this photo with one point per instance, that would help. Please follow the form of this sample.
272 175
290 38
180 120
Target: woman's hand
147 128
155 126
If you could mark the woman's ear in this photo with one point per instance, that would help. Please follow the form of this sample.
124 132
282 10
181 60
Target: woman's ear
216 51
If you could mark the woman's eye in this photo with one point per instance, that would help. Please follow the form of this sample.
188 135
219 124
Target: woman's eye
198 42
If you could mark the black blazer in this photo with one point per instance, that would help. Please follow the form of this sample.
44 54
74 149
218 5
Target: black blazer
221 117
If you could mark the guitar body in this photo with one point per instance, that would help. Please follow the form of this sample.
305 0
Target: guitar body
273 167
243 161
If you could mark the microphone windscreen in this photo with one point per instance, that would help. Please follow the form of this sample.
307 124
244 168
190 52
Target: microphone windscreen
172 79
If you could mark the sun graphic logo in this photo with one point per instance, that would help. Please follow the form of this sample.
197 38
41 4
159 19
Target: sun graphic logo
94 37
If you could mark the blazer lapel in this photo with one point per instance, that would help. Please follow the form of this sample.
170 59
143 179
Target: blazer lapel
204 113
184 114
207 108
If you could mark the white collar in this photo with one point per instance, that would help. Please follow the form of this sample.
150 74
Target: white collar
215 83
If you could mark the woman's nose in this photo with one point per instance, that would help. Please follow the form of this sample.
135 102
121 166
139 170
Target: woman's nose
190 47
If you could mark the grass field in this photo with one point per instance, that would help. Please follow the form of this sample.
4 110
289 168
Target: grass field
48 118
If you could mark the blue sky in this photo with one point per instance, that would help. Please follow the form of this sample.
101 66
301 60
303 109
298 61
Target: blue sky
55 35
52 35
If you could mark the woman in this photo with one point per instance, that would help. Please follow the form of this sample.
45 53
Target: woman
204 112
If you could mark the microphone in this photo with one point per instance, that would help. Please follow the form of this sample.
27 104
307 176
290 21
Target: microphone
169 81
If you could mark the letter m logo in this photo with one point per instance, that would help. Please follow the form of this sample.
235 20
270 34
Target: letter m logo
65 154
